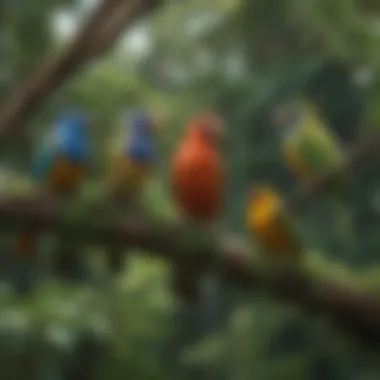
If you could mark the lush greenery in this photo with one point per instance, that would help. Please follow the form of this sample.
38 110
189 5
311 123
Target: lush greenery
241 58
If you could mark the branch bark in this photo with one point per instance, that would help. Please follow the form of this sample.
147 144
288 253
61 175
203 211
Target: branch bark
348 308
98 33
125 14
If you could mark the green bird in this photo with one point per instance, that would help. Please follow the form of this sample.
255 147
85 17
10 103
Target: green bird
310 150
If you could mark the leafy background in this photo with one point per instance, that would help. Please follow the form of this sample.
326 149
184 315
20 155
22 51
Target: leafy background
240 57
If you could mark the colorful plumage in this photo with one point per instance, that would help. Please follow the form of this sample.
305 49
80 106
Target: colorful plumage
198 172
61 162
275 231
59 167
133 154
197 176
311 149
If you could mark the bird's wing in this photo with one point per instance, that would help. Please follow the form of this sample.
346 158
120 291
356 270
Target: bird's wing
319 149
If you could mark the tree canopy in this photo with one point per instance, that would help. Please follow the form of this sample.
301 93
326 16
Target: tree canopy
241 58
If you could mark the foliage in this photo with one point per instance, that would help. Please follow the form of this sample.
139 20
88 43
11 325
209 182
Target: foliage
242 58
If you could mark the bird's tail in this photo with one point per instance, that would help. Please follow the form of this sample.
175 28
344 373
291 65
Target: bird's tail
25 244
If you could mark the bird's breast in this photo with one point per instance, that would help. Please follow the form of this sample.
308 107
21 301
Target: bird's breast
127 177
296 162
198 182
75 147
65 175
269 230
140 149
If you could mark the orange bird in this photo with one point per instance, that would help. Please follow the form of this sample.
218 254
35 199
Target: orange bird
197 175
197 170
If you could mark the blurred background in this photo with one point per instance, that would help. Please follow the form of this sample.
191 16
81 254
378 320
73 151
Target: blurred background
241 58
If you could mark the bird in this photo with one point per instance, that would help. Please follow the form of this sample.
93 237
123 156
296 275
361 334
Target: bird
132 157
311 149
59 168
271 226
198 183
197 170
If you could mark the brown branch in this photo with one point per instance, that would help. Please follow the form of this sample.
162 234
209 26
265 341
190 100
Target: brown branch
355 311
125 14
97 34
349 308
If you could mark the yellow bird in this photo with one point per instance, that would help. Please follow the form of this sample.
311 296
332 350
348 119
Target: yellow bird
275 231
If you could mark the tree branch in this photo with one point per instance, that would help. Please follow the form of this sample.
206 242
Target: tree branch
347 307
125 14
98 33
356 311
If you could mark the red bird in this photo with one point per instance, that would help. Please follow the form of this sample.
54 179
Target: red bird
197 170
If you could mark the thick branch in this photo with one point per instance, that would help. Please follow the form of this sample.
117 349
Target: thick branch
358 312
98 33
125 14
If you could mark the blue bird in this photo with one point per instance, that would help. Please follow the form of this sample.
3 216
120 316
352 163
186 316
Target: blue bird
133 154
59 166
60 163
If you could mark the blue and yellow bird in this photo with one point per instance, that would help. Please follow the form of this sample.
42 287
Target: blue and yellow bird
61 162
59 168
132 154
